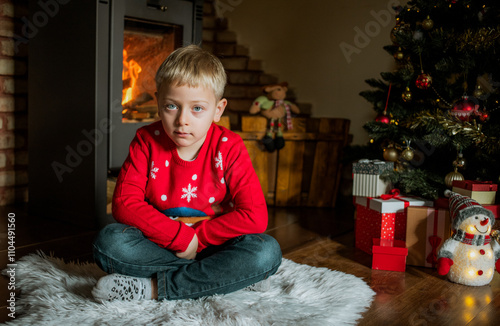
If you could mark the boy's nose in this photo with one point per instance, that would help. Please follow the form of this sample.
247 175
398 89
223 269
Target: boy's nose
182 117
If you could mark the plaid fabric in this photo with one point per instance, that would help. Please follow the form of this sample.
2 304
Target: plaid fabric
471 239
459 202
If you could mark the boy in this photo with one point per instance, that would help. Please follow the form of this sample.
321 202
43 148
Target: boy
188 201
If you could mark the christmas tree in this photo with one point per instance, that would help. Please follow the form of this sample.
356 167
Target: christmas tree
438 113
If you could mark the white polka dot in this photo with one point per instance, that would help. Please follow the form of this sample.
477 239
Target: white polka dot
211 200
157 132
195 177
224 139
231 204
222 181
166 163
163 197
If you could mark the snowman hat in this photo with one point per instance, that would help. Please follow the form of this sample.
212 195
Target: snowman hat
463 207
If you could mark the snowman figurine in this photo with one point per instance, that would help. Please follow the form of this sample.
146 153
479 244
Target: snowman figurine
470 256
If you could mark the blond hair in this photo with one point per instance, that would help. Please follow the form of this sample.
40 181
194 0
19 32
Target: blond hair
192 66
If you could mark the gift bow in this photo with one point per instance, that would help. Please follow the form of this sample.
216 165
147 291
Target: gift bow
435 241
394 193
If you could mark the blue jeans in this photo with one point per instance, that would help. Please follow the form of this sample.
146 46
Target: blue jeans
236 264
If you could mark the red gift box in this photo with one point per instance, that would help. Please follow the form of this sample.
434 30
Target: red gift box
475 185
389 255
382 219
484 192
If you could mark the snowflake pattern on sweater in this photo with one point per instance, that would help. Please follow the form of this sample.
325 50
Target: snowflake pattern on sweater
153 170
220 183
189 192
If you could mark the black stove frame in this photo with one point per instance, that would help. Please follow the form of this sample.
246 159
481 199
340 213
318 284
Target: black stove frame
75 88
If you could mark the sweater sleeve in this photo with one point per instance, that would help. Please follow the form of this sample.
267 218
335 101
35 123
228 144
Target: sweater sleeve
130 206
250 209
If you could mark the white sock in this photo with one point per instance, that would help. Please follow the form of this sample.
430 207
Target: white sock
122 287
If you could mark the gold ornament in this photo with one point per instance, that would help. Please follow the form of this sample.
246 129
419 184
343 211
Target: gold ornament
399 55
408 154
452 176
400 28
406 95
495 234
390 154
478 92
428 23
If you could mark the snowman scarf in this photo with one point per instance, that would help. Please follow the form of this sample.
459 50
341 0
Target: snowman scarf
471 239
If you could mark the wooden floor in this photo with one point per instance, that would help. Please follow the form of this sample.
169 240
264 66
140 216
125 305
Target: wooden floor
314 236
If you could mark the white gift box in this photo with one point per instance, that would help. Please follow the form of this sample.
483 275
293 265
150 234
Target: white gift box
366 178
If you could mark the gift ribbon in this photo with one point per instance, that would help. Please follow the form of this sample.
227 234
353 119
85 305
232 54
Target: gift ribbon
394 193
434 241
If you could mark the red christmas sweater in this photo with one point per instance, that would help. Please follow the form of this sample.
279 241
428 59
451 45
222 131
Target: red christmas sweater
155 183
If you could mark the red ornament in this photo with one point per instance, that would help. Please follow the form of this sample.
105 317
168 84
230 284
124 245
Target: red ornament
465 108
383 118
423 81
483 115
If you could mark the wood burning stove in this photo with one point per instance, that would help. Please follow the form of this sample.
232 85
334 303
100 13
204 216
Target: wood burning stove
91 85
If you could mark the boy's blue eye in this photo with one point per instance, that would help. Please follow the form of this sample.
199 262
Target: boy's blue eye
171 107
197 109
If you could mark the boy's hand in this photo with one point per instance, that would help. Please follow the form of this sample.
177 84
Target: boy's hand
190 252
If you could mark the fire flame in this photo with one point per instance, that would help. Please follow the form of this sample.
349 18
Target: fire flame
131 70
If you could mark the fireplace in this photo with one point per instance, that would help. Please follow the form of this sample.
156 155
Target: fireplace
91 85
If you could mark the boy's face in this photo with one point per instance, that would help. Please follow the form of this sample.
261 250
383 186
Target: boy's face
187 114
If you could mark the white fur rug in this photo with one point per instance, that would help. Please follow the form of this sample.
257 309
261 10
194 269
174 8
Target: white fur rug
57 293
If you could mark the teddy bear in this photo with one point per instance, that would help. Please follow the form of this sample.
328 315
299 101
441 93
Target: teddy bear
272 105
470 256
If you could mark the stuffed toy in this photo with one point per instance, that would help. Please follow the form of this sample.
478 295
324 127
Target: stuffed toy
273 106
470 256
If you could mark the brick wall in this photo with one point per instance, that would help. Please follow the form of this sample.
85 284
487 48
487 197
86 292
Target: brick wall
13 103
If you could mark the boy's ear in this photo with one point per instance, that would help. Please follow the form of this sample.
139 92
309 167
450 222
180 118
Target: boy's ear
219 110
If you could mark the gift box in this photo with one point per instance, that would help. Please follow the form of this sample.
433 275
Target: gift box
382 218
426 230
366 178
389 255
445 204
483 192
